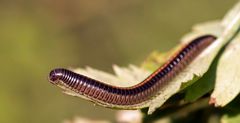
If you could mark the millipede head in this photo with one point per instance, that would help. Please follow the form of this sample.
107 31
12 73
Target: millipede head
55 75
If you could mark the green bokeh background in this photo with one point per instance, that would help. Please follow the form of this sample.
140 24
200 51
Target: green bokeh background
39 35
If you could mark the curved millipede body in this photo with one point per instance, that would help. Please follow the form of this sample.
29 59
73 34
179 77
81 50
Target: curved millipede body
112 96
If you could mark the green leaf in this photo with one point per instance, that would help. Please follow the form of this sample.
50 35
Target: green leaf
203 85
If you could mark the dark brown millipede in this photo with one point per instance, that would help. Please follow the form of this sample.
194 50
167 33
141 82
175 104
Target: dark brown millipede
121 96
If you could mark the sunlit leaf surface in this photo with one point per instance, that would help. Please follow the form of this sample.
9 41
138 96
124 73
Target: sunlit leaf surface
228 75
227 85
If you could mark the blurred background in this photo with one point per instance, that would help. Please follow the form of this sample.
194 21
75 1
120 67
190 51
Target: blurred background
39 35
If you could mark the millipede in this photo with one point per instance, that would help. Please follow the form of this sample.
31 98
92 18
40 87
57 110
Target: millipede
113 96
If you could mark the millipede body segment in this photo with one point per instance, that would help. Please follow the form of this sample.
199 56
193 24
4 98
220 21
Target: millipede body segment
109 95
